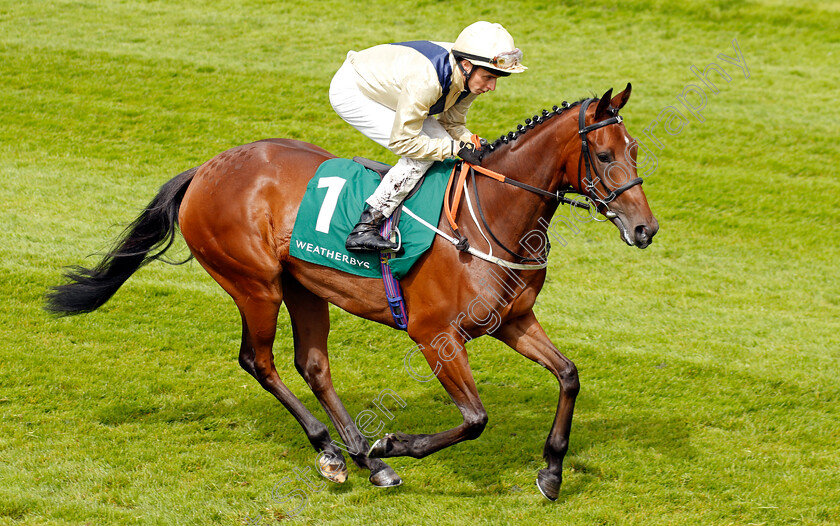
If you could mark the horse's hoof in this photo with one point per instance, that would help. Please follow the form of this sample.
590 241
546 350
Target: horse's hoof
332 468
548 484
385 478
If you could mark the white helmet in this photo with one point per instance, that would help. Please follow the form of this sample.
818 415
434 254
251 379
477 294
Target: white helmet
489 46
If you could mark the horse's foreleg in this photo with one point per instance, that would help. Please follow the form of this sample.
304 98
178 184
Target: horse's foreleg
527 337
311 326
447 357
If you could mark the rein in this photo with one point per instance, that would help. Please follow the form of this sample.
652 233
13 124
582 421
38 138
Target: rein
450 207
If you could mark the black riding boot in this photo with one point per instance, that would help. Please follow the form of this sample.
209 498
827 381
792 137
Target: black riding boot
365 235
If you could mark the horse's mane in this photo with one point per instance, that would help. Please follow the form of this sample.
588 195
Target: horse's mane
530 124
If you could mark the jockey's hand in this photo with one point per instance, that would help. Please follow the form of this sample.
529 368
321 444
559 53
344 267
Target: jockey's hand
469 153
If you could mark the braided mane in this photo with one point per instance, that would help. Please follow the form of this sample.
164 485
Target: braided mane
530 124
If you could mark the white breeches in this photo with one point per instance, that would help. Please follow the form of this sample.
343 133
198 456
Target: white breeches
375 121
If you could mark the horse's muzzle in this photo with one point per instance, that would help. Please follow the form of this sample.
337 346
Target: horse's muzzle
643 234
639 236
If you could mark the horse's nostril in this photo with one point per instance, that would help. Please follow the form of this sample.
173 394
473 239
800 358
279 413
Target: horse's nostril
642 234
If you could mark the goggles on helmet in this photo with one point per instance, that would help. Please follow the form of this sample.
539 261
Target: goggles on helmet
507 60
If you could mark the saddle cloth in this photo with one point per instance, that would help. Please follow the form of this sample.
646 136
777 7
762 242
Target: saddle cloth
334 200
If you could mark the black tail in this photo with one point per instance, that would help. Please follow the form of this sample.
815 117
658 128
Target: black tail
88 289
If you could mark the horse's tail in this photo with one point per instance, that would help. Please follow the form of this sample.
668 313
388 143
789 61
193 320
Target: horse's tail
144 240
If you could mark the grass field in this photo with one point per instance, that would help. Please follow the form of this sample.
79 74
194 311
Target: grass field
708 362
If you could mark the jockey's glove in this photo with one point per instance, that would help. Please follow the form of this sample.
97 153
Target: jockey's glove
469 153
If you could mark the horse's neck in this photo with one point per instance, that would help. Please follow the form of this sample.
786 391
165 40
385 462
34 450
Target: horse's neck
538 159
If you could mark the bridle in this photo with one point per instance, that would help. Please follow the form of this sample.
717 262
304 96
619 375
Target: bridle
586 185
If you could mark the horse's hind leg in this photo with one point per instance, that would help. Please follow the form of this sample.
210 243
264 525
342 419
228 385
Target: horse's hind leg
311 326
259 304
255 355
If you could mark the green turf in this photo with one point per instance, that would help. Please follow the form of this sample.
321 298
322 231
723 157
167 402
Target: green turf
708 361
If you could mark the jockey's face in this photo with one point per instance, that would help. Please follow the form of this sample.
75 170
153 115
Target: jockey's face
481 80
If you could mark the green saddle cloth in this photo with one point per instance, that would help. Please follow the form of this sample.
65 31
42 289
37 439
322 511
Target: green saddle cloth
334 200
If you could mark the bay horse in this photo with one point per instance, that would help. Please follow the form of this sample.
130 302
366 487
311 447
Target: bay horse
236 213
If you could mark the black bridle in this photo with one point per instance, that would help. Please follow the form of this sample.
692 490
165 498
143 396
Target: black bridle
586 185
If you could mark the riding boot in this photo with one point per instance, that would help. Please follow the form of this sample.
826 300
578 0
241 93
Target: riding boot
365 235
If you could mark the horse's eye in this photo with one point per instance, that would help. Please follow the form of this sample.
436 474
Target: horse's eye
604 157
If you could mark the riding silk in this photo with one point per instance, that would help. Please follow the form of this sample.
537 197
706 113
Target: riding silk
333 202
439 57
415 80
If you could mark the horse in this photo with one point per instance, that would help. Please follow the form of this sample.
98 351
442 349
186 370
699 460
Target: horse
236 213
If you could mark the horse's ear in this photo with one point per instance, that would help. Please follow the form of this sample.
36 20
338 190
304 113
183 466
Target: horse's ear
620 100
603 104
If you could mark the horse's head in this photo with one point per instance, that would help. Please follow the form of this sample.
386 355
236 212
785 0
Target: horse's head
606 169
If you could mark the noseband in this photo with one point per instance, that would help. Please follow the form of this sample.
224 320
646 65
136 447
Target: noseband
587 185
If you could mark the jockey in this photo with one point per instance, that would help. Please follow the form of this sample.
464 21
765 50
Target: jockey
390 93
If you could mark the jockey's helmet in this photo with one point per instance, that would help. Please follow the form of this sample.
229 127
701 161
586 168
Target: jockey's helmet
490 46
